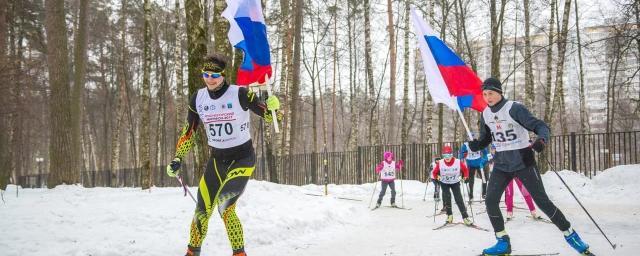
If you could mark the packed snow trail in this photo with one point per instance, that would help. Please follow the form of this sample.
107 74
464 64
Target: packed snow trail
288 220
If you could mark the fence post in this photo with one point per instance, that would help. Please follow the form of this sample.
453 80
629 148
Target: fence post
573 151
359 165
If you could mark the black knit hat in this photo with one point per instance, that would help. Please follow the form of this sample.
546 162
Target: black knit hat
214 62
492 84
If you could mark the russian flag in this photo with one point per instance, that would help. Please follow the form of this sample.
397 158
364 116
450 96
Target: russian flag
248 32
450 81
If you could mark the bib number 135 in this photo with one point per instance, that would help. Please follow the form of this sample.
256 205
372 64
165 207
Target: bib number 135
508 135
219 129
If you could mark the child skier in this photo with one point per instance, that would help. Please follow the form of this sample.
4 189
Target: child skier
436 184
475 161
507 124
508 199
387 170
448 172
223 109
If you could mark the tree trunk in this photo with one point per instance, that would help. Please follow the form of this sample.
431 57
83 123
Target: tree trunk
392 76
145 156
496 36
334 71
353 111
181 105
62 161
374 133
529 86
548 108
197 49
295 86
220 29
584 118
405 94
80 60
5 153
562 46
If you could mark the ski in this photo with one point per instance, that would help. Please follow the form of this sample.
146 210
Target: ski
437 214
538 218
398 207
446 224
526 254
375 208
473 226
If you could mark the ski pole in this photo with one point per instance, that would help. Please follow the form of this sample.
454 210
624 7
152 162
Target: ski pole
470 207
435 209
375 184
185 189
576 198
425 191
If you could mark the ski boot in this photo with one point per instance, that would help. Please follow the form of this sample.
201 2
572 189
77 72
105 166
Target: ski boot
193 251
467 221
394 205
509 216
502 247
576 242
534 215
449 219
377 205
241 253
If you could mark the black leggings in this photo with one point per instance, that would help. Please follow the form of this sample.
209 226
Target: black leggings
457 195
531 179
472 174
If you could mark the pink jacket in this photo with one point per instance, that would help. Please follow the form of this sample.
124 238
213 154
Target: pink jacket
388 157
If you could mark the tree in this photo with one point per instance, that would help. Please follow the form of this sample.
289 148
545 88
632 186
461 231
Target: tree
392 80
549 76
405 82
562 46
374 133
145 156
80 60
63 162
5 155
497 19
295 86
529 86
197 49
584 119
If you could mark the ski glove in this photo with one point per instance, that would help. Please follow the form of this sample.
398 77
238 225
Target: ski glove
538 145
273 103
173 169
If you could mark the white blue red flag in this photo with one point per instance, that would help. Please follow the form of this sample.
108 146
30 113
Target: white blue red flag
450 81
248 32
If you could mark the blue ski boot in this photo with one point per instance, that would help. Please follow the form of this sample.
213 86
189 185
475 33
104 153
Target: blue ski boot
576 242
502 247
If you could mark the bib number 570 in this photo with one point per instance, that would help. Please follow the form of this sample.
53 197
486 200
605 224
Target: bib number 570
217 129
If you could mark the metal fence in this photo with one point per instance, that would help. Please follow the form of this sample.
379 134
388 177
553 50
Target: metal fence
585 153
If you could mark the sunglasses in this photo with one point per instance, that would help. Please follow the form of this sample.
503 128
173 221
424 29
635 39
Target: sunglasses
447 155
207 74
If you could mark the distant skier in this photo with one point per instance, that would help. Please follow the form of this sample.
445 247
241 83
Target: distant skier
507 124
508 198
448 171
436 184
387 170
475 161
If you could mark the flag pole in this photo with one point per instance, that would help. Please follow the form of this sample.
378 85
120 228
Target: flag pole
274 117
464 122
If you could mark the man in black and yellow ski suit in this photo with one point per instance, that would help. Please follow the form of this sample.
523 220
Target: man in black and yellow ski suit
223 110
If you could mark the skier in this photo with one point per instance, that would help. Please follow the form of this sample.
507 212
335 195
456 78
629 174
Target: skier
387 170
448 172
507 124
475 161
223 110
508 199
436 184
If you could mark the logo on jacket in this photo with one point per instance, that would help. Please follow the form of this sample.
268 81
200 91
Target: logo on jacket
229 105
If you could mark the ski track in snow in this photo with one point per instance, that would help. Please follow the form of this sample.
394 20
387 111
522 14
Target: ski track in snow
286 220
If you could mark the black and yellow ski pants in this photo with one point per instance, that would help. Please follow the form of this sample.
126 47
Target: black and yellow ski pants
221 185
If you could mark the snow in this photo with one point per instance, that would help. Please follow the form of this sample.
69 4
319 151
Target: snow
294 220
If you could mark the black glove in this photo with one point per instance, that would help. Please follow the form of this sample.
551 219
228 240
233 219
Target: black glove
474 145
173 169
538 145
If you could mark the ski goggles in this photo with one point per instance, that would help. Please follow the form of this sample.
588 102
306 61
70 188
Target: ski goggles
209 74
447 156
